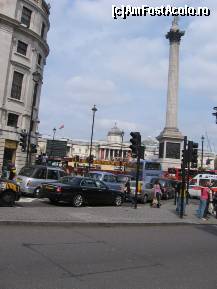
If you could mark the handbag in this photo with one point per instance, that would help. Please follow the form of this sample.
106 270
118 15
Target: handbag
211 208
154 202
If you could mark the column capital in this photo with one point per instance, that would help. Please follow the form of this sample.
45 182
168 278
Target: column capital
175 36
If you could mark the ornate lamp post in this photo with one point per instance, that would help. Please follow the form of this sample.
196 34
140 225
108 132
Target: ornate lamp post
36 76
121 151
202 141
94 110
215 113
54 132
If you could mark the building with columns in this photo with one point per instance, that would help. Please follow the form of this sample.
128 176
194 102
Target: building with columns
23 32
113 148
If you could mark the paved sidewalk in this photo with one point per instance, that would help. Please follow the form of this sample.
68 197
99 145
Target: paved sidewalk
40 212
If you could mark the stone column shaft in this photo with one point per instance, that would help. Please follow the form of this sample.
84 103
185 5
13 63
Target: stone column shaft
173 81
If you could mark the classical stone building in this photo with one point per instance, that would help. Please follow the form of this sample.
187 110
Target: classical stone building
23 32
113 148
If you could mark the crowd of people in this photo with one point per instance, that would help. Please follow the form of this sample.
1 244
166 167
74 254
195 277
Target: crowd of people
207 204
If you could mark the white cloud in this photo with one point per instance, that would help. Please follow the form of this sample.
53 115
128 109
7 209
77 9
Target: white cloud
122 66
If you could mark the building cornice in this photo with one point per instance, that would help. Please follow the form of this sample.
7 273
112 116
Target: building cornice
20 65
17 26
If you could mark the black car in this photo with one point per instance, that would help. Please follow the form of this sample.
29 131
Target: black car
167 187
80 191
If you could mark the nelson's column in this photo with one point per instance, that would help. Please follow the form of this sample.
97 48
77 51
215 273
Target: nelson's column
170 138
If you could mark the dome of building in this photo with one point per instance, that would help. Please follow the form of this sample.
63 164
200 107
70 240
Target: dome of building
115 131
115 135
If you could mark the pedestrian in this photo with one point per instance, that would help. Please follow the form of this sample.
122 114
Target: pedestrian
12 173
157 194
209 203
203 201
215 203
128 193
44 159
177 194
179 199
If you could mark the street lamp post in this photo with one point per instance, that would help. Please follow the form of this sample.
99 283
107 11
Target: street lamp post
94 110
54 132
202 141
215 113
121 152
36 76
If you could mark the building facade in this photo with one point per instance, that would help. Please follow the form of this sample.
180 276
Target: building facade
112 152
23 32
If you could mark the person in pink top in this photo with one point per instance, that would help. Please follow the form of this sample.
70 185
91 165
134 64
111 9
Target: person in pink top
203 200
157 193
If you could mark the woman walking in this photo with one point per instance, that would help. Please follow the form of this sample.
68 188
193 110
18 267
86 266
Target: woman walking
157 193
203 201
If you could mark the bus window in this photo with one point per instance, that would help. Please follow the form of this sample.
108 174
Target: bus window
193 182
203 182
152 166
214 183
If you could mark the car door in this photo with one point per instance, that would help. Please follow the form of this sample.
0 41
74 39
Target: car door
104 194
89 190
148 191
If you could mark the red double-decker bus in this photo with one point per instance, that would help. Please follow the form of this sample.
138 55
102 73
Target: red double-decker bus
176 174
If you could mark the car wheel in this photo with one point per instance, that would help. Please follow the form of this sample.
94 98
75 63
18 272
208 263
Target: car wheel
37 192
118 201
166 196
8 198
145 199
53 201
78 200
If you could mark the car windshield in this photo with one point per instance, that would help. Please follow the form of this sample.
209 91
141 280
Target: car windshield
27 171
95 176
74 181
122 179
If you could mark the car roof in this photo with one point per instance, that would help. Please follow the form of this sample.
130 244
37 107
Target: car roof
99 172
41 166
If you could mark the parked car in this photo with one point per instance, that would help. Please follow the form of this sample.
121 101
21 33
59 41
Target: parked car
80 191
123 178
167 187
108 178
9 192
147 193
31 178
143 195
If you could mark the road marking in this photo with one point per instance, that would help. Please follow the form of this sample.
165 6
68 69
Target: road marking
27 200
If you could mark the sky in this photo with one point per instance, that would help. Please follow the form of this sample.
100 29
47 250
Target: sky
121 66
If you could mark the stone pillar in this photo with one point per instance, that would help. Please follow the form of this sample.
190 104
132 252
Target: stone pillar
170 138
174 36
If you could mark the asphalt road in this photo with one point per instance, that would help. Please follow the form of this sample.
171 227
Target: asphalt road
166 257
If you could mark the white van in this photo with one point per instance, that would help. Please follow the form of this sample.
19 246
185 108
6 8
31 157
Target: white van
200 181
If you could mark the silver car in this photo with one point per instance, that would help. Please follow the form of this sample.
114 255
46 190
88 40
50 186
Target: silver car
30 178
145 191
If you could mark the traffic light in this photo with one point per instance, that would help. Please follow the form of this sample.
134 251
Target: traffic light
194 156
23 140
142 152
135 143
33 148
